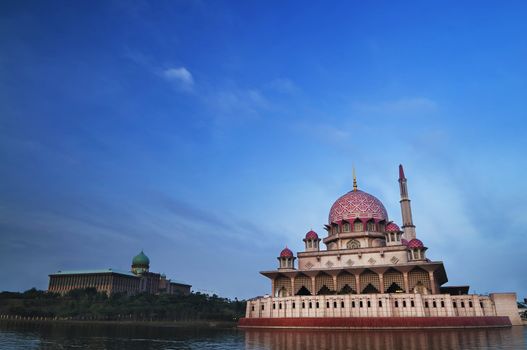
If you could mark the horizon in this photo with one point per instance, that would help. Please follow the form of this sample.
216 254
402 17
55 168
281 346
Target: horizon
212 135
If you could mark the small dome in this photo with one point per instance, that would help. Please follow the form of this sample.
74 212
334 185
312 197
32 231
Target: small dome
286 253
392 227
311 235
141 260
404 242
415 243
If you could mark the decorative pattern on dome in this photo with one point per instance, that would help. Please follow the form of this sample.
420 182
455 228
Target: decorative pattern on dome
415 243
392 227
357 204
311 235
286 253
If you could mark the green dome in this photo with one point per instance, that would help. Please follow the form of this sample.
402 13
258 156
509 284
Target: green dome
141 260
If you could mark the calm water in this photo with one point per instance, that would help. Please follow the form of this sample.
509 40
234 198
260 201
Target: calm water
61 336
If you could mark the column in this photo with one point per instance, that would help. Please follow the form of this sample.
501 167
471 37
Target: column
381 282
357 284
293 286
432 282
314 292
272 288
406 285
335 283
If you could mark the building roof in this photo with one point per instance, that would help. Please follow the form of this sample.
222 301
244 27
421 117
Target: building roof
392 227
357 204
141 260
286 252
96 271
311 235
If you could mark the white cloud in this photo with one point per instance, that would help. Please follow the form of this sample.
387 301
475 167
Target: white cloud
284 86
410 105
181 76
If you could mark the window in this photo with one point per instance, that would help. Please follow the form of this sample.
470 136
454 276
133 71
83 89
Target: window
442 303
371 226
342 304
369 303
434 304
280 306
380 303
335 304
462 304
481 304
357 226
263 307
352 304
252 308
412 304
294 305
396 303
470 304
454 304
426 304
346 227
274 306
404 303
317 305
303 305
327 304
310 305
360 303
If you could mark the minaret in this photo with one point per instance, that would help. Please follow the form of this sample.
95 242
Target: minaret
406 211
354 180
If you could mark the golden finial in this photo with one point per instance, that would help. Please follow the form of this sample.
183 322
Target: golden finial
354 180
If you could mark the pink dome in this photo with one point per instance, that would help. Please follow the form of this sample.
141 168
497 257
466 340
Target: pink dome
286 253
392 227
357 204
404 242
415 243
311 235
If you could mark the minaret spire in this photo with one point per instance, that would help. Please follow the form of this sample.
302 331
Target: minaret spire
406 210
354 180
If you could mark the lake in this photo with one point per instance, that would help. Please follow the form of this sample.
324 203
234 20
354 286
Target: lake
26 335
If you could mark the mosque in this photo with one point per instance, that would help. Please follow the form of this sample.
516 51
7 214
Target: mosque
372 274
112 281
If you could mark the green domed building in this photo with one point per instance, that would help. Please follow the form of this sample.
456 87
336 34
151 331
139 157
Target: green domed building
111 281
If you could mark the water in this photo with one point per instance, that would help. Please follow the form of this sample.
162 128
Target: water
18 335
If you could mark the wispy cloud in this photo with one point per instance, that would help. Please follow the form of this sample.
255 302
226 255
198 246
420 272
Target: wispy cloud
407 105
284 86
181 76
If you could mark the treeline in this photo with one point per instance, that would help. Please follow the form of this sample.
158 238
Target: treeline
88 304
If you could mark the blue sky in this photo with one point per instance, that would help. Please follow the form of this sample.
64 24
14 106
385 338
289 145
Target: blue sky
212 134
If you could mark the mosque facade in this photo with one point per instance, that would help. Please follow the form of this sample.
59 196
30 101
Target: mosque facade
372 274
111 281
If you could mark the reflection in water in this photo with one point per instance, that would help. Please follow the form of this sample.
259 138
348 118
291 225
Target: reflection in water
47 335
507 338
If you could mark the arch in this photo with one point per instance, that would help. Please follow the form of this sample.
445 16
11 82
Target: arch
303 291
353 244
346 283
393 281
358 226
419 278
302 281
369 277
370 225
370 289
324 280
282 285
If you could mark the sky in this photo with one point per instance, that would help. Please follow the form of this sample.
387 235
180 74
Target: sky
211 134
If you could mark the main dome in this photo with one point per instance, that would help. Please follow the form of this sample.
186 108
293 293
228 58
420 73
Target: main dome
357 204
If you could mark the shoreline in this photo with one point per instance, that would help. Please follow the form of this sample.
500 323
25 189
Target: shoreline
204 324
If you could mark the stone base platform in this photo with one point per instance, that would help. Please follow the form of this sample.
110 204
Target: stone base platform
376 322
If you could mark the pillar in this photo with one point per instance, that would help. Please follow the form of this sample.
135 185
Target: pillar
314 292
293 286
272 288
432 282
406 284
357 283
381 282
335 283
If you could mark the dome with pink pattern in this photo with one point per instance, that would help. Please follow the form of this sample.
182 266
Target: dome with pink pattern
311 235
286 253
415 243
392 227
357 204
